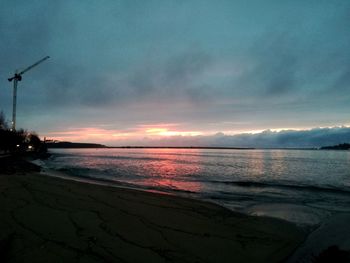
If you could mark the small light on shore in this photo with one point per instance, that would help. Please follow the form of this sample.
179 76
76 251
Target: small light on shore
17 145
30 147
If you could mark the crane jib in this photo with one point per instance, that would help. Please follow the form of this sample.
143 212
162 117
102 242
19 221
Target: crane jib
18 77
35 64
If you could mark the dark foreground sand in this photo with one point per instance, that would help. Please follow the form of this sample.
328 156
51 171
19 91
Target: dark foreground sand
46 219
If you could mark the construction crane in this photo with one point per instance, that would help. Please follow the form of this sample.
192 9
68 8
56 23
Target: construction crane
18 77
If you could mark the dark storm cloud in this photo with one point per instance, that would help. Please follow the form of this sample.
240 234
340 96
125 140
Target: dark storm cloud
289 138
276 64
73 86
181 70
25 31
26 35
317 137
339 59
176 76
301 57
310 138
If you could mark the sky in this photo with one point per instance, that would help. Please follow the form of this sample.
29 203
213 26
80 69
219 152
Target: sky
179 72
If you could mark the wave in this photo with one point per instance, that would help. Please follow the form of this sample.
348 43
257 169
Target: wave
313 188
97 173
101 174
72 173
108 157
162 156
128 158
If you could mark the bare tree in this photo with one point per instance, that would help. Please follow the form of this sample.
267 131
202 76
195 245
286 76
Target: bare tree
3 123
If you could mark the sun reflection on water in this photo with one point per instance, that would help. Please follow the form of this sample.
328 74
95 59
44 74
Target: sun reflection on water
171 169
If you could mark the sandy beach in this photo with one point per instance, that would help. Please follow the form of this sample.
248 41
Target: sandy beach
47 219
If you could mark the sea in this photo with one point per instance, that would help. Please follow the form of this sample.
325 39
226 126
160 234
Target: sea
300 186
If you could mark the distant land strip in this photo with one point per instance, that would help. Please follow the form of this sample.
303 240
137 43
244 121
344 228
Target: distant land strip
72 145
95 145
343 146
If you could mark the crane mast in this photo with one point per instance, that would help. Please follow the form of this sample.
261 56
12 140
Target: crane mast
15 78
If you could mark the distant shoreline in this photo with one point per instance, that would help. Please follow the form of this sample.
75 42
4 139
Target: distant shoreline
76 145
71 145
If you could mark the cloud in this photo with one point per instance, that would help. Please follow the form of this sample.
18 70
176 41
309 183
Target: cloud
176 77
272 65
304 56
316 137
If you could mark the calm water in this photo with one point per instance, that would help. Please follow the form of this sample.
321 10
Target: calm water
298 185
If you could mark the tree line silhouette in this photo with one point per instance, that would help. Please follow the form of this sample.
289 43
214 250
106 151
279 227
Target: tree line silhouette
18 141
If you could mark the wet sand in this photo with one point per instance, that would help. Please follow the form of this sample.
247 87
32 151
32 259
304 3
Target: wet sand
46 219
331 240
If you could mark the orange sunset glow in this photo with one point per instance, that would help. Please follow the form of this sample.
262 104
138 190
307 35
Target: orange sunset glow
166 132
154 133
100 134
